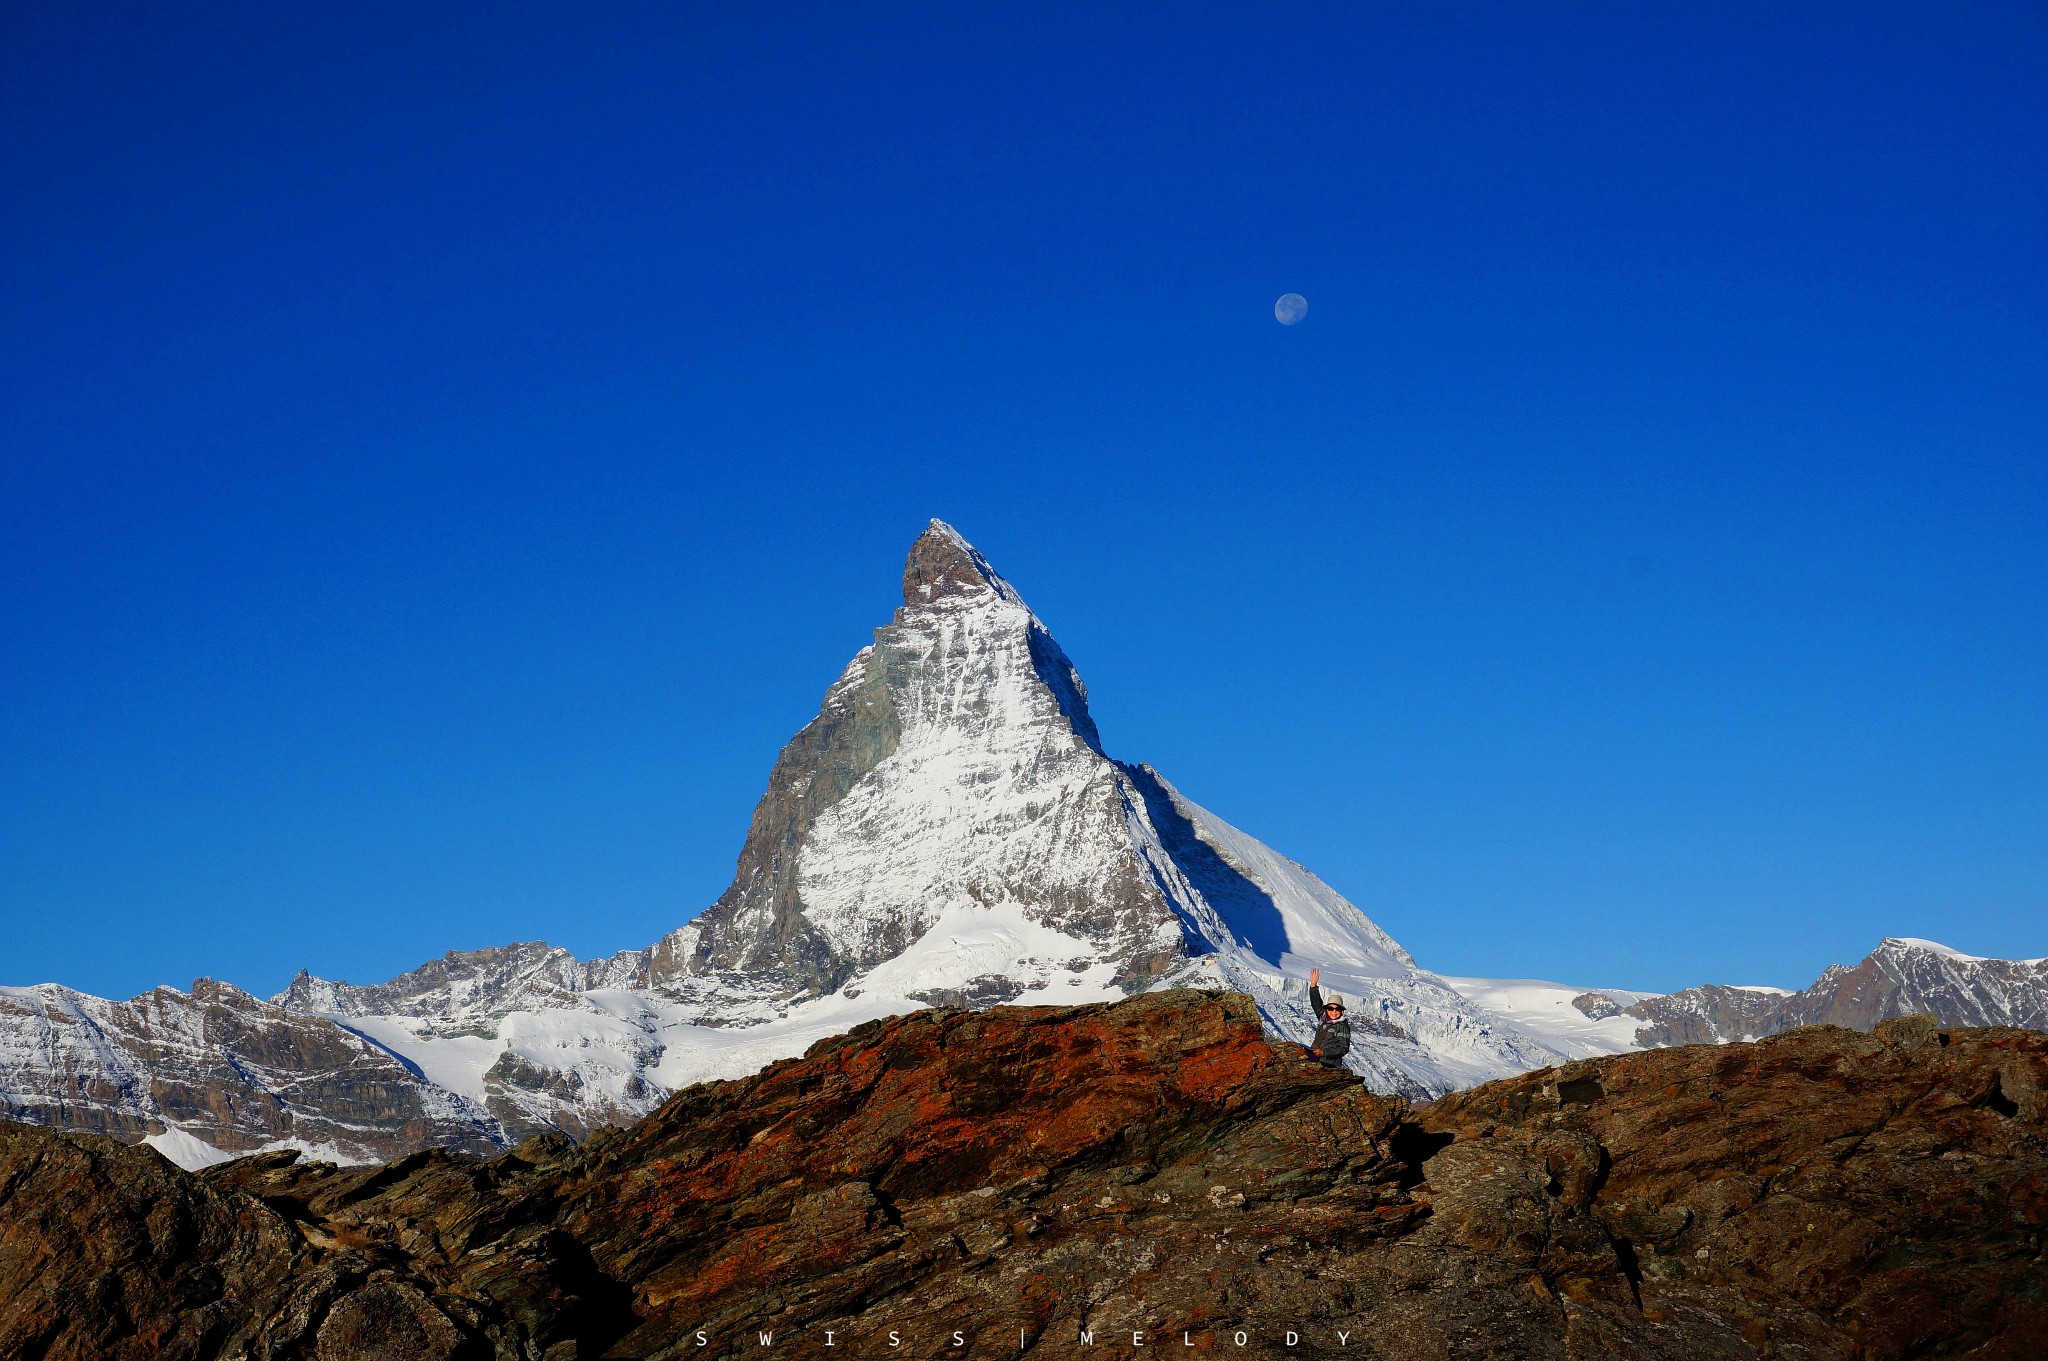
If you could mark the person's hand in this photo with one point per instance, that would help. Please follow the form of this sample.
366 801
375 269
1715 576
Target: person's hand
1315 976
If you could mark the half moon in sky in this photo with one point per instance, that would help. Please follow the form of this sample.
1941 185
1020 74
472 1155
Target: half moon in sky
1291 308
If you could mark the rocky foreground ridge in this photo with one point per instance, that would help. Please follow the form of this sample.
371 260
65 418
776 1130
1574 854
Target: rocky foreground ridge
1022 1176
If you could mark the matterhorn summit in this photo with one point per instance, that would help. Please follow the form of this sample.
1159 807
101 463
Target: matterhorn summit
950 831
951 793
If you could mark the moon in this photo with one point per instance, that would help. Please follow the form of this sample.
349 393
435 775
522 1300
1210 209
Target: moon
1291 308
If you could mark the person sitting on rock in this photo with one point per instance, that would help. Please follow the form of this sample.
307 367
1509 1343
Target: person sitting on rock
1333 1034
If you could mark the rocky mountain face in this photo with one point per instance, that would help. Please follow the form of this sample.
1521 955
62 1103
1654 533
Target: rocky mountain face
465 990
953 764
1103 1180
1899 978
474 1016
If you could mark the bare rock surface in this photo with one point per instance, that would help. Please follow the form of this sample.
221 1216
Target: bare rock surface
1143 1172
1823 1192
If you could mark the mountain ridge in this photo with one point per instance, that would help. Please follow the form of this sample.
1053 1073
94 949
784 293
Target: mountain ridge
1903 976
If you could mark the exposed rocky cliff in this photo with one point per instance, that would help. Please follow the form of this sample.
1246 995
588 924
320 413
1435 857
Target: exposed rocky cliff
1026 1179
520 1032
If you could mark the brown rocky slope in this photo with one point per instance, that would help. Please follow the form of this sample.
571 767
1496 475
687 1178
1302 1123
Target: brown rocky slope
1015 1177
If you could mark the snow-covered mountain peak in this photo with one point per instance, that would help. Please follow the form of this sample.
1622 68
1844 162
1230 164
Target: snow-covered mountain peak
466 988
1910 945
953 765
950 827
1903 976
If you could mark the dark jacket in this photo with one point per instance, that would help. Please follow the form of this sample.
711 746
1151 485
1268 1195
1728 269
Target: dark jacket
1333 1038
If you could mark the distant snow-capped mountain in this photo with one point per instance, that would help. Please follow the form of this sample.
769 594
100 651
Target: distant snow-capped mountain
215 1068
1902 977
949 830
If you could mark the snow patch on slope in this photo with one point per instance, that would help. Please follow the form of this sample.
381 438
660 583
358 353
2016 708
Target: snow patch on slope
988 799
1545 1012
1269 920
1318 922
188 1152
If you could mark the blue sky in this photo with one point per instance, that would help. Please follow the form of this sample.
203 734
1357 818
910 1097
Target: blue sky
443 458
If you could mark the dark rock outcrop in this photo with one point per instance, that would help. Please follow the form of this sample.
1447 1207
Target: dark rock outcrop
1597 1006
1022 1176
1821 1193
